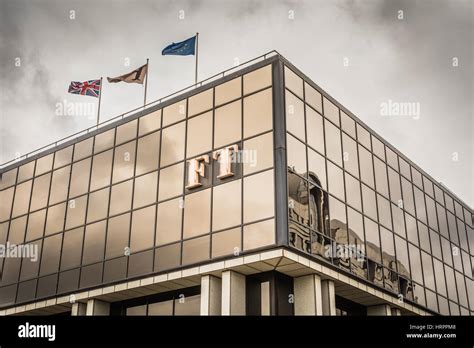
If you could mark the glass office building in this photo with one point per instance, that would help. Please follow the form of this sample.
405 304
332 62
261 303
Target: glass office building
255 193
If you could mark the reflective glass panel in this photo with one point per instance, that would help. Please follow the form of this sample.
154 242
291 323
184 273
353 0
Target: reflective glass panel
258 196
258 79
174 112
121 198
168 226
295 116
172 144
124 162
147 153
145 190
197 213
226 205
199 135
258 113
143 227
200 102
228 124
101 170
228 91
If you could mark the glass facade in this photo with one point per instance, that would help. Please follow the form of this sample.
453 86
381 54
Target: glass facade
357 204
196 179
183 184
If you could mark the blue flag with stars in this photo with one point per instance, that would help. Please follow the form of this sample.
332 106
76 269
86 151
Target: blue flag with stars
183 48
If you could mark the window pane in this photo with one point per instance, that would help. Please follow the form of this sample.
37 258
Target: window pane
36 223
313 97
428 270
388 249
259 234
55 218
373 240
417 180
63 157
443 223
366 167
258 153
428 186
378 148
17 230
104 141
145 190
395 190
295 116
435 244
385 217
412 233
258 79
199 135
8 178
420 205
6 197
415 263
336 181
228 124
25 172
353 192
363 136
168 225
143 227
356 229
22 198
197 213
98 205
392 158
126 132
117 236
314 124
39 197
408 203
296 155
317 169
83 149
351 161
94 243
50 255
348 125
258 113
398 221
331 111
149 123
171 181
368 199
402 257
147 153
72 248
174 113
333 143
226 243
59 185
172 144
258 196
137 310
76 212
200 102
381 180
191 306
228 91
424 237
196 250
124 162
167 257
101 170
44 164
80 177
121 199
431 210
30 265
161 308
293 82
226 205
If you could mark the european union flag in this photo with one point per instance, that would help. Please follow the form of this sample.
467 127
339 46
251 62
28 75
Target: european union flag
183 48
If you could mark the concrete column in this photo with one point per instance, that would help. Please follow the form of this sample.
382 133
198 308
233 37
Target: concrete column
97 307
307 292
328 295
211 295
383 310
396 311
233 293
78 309
265 299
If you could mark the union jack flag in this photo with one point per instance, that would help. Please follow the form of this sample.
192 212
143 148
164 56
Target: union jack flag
91 88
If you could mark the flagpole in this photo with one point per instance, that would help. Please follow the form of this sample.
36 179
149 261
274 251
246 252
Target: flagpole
100 98
146 82
197 54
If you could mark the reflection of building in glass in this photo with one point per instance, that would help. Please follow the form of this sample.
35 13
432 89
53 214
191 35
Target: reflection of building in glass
150 215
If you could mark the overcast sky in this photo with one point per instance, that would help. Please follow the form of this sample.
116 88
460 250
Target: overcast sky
399 56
